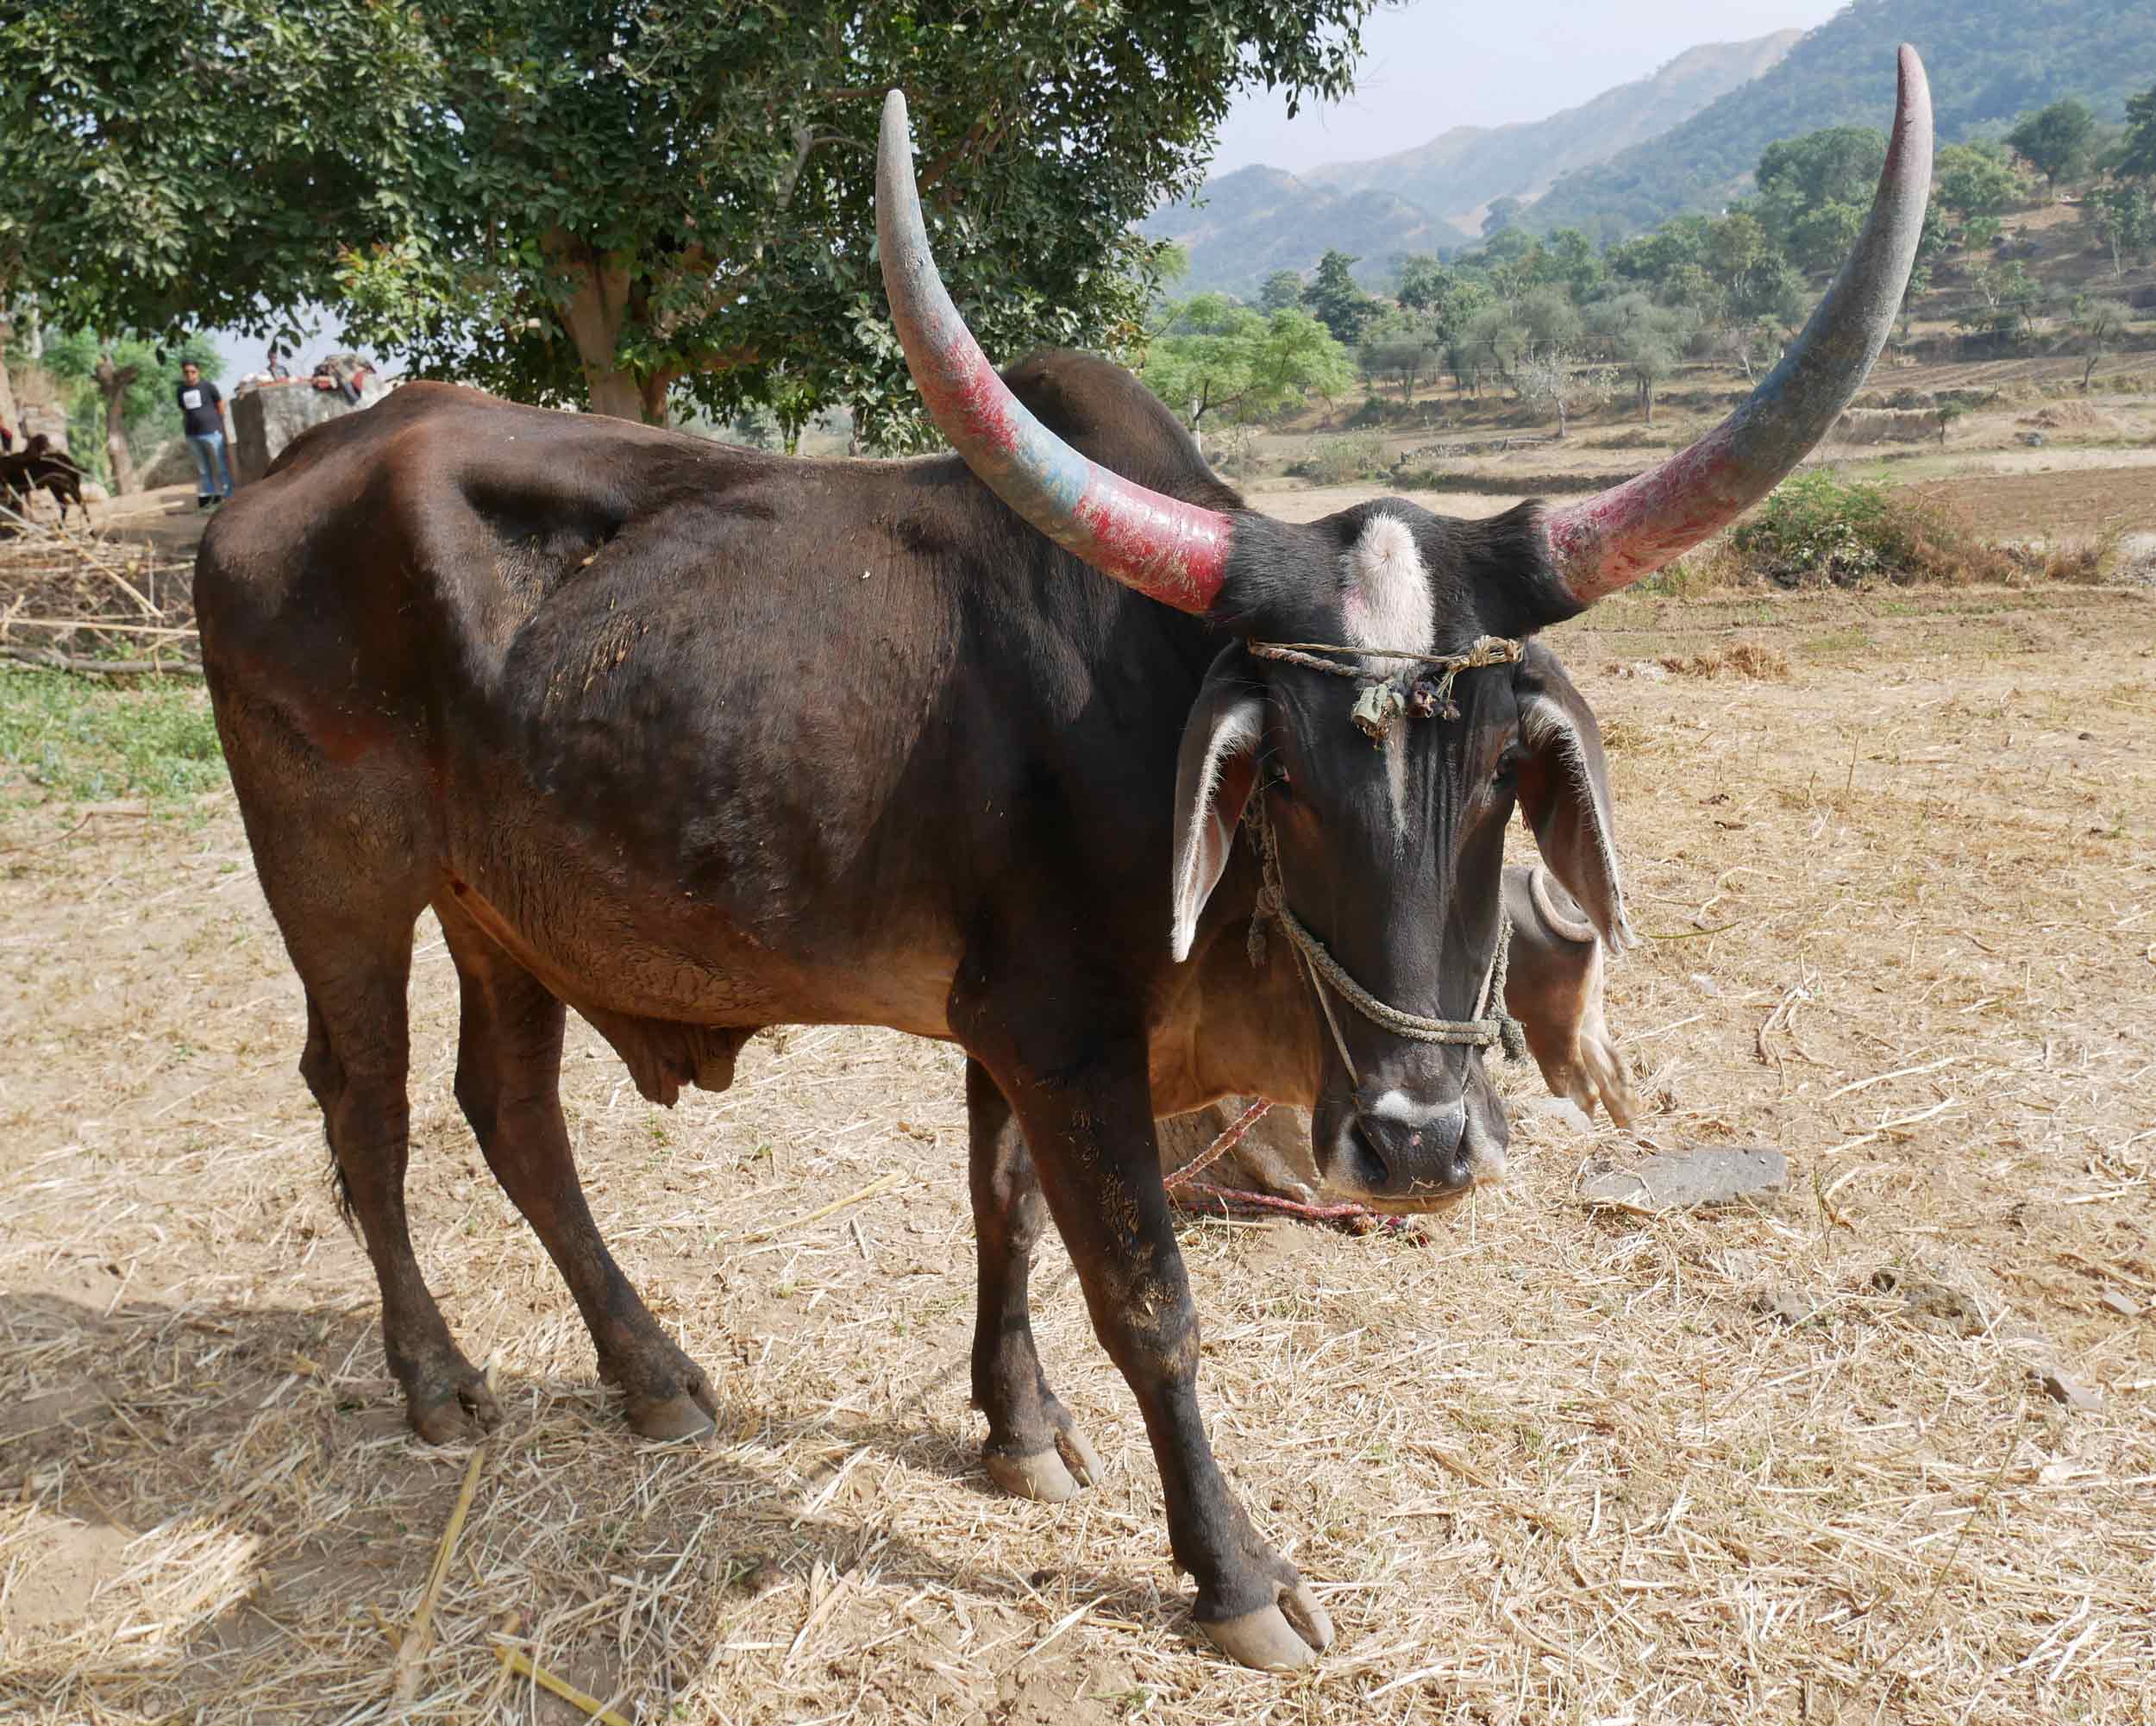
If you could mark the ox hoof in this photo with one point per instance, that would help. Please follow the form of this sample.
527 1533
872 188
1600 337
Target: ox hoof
1052 1476
1290 1633
671 1419
448 1412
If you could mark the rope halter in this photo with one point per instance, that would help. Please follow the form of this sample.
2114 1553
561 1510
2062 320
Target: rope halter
1380 705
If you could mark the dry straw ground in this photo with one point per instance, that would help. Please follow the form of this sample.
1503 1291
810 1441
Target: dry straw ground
1783 1463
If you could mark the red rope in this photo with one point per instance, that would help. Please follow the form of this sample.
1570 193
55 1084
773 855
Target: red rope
1219 1147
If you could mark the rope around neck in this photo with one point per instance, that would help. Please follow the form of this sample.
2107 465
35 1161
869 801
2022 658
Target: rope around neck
1491 1027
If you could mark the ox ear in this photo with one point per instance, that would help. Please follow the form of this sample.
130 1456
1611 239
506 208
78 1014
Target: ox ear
1565 792
1215 773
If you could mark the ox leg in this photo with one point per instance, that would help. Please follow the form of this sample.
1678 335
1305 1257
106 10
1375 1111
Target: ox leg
1082 1098
1035 1449
508 1082
354 1063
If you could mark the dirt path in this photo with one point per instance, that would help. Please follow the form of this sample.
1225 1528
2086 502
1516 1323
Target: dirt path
1899 911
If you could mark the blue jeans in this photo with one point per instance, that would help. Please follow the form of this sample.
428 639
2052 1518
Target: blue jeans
213 474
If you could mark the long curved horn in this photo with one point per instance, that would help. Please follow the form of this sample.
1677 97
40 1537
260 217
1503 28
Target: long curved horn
1611 540
1169 551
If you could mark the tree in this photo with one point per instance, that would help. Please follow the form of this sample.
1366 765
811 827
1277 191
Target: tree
1976 181
1553 377
1402 347
1220 357
2137 155
1642 337
2124 223
1503 213
1815 191
126 385
620 204
2097 322
1280 289
2055 141
1340 305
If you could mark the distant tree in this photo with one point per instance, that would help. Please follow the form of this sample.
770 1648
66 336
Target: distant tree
1550 318
124 387
1495 338
1574 263
1815 191
1335 301
2095 322
1227 359
1555 378
2124 223
2055 141
1503 213
1643 338
1280 289
2137 155
1976 181
1398 347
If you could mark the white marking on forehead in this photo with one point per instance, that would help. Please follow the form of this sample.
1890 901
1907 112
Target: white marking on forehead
1387 590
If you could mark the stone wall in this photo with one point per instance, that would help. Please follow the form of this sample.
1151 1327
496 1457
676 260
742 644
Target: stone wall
267 416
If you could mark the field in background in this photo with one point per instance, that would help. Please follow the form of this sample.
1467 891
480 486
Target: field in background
1896 864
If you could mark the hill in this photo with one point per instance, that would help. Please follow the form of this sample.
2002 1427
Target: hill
1245 224
1459 174
1989 60
1258 220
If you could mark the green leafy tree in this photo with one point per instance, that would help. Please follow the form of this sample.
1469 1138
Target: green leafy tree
1337 302
1402 347
121 392
1574 263
2125 223
1643 338
1976 181
2056 141
1815 191
1223 358
622 203
2137 152
1503 213
1279 291
1444 297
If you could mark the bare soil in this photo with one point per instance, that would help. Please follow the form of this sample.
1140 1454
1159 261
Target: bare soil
1796 1462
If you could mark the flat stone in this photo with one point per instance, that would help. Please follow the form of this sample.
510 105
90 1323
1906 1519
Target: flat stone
2122 1303
1686 1180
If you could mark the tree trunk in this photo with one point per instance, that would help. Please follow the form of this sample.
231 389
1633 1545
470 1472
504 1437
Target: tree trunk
596 308
113 384
1560 417
10 415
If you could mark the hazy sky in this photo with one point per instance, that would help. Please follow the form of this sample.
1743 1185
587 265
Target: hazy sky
1433 64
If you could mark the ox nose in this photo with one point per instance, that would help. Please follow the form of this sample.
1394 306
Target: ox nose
1409 1151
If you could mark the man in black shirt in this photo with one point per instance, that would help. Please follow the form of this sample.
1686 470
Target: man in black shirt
203 414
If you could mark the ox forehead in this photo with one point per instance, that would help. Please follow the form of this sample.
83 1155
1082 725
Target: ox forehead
619 706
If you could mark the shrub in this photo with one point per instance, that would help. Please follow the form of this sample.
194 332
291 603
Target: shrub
1820 529
1337 461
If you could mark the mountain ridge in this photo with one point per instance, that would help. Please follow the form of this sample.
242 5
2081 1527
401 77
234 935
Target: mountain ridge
1988 61
1247 223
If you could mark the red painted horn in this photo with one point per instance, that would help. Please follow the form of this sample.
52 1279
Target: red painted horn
1167 549
1611 540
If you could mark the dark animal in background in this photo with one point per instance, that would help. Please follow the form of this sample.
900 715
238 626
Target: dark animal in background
39 468
697 739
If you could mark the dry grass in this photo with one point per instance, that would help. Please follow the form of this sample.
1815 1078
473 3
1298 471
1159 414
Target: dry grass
1558 1466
